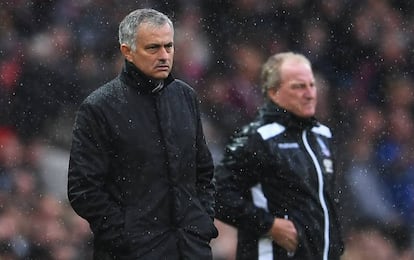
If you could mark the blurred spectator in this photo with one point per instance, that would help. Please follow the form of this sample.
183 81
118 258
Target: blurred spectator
11 156
233 99
191 40
373 241
395 155
367 195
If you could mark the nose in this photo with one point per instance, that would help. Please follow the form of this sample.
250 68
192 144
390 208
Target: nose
310 91
164 53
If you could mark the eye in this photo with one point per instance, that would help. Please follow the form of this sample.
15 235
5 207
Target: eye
168 47
152 48
298 86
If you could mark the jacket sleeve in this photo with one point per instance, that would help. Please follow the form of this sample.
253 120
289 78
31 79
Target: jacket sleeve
239 171
336 198
205 170
88 168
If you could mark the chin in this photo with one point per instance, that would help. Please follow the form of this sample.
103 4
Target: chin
161 75
307 115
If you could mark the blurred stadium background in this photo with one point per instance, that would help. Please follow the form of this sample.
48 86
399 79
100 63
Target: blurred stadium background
53 53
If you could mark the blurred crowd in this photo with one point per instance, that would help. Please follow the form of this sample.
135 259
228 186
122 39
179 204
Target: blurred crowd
54 53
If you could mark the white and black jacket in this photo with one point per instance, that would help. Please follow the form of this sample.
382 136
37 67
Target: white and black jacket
282 166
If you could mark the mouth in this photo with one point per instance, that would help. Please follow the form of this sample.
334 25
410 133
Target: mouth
162 67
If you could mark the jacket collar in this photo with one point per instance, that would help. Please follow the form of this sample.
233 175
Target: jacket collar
135 78
271 112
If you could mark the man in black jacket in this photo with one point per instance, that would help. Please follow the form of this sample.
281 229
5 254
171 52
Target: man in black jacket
275 182
140 171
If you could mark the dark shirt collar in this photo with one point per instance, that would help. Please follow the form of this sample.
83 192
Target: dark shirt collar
135 78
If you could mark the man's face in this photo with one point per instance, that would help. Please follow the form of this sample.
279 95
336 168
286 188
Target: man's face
297 91
154 52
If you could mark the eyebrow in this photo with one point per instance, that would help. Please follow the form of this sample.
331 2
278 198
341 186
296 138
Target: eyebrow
159 45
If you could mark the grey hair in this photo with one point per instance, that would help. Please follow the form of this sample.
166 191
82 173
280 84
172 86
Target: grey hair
270 76
129 26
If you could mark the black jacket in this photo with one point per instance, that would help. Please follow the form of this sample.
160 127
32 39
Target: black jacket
280 166
140 171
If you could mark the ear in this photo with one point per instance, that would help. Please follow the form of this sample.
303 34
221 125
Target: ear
272 94
126 51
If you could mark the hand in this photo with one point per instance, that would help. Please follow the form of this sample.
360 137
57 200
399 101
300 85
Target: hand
284 233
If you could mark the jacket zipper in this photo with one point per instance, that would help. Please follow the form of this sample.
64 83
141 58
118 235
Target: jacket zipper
321 196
